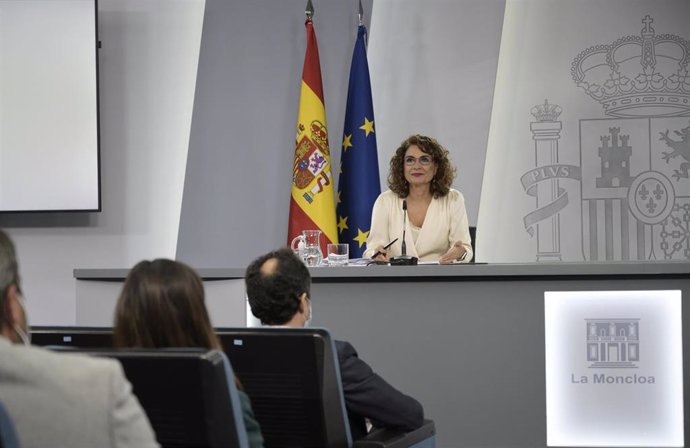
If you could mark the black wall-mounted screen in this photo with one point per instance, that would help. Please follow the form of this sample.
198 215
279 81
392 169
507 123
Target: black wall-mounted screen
49 140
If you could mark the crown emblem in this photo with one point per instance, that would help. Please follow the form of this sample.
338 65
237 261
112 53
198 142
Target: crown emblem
546 111
636 76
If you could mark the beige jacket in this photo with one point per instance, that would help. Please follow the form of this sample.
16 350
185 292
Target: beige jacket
445 224
72 401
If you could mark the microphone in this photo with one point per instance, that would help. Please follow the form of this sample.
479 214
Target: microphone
404 259
404 245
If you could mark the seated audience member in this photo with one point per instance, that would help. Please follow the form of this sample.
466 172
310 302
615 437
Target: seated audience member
59 399
278 286
162 305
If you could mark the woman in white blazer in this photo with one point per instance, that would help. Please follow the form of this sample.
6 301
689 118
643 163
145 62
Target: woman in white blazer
436 224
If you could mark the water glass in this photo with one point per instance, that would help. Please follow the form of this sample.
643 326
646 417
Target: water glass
338 254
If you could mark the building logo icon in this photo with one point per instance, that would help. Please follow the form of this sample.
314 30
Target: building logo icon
613 343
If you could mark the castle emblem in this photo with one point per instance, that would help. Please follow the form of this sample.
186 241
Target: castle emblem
614 153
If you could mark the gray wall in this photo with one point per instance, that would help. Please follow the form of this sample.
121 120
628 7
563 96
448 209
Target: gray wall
241 147
147 77
433 67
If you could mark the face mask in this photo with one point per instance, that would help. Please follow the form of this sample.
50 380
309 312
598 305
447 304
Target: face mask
24 334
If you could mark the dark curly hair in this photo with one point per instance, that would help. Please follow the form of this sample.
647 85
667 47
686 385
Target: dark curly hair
445 173
274 297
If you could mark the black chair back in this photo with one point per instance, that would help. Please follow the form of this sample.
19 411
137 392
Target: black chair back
293 379
291 375
189 395
81 337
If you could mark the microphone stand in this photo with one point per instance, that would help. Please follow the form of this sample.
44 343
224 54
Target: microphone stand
404 259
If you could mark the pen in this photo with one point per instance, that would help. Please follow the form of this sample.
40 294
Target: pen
378 252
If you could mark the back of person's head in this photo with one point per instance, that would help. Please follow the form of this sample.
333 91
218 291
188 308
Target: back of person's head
275 283
9 272
162 305
14 321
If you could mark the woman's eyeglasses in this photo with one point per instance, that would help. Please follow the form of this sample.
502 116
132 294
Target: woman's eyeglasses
423 160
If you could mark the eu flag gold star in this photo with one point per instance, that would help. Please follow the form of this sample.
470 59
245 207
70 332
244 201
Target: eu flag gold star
342 224
361 237
367 127
347 142
339 200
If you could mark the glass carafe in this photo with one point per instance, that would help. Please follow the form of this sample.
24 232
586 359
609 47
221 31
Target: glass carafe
308 247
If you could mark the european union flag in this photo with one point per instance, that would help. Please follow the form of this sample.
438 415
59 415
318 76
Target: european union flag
358 185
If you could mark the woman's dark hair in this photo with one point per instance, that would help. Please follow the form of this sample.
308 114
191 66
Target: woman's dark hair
162 305
445 173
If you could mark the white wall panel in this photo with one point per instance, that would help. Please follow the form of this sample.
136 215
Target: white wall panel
147 78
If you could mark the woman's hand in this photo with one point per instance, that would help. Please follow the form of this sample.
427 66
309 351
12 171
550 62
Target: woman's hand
456 252
382 255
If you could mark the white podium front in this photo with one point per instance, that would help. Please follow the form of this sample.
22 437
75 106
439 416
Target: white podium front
468 341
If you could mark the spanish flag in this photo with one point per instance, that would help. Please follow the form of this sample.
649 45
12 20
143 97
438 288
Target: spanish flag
312 202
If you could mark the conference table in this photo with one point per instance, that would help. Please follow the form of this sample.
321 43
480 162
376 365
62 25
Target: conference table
468 341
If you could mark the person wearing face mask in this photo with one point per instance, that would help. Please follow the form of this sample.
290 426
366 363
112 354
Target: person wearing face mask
278 289
59 399
435 219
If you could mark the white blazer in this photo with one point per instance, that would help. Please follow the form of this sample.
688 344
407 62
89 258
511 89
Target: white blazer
444 225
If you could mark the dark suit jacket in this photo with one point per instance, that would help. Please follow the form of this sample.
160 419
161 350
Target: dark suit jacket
367 395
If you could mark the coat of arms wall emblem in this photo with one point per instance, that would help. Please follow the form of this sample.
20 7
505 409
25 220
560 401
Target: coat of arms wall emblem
634 162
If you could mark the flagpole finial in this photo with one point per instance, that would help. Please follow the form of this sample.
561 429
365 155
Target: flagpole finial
310 10
360 15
